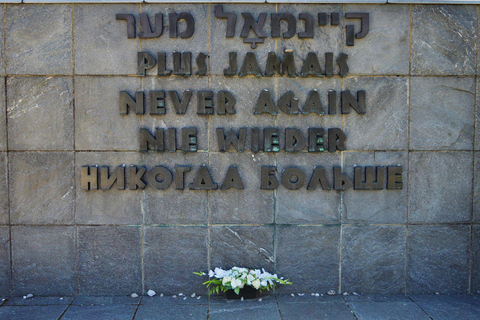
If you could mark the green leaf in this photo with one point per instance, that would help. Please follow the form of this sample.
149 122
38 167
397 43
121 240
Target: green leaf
237 290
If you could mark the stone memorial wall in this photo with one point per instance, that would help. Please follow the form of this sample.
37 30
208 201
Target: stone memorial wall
337 145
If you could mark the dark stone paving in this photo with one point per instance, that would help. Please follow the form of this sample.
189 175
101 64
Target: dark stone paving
281 307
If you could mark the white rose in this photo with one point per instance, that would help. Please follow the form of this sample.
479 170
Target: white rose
226 280
250 278
236 283
256 284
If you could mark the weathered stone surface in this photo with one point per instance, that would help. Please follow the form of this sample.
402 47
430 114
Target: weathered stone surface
249 247
307 206
48 251
444 307
443 40
316 310
3 120
440 186
476 142
40 113
107 206
109 260
171 311
301 88
373 259
173 206
98 123
170 249
220 45
387 310
246 97
304 253
39 301
325 38
196 44
101 43
385 124
386 48
2 45
5 276
377 298
476 186
110 300
238 310
309 299
119 312
475 259
39 39
32 312
41 188
437 265
4 217
171 119
375 206
442 113
228 206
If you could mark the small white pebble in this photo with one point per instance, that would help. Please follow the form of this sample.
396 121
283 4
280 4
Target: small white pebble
24 297
61 298
317 294
312 294
180 294
241 299
355 294
151 293
437 292
184 298
28 296
198 297
345 293
331 292
260 299
301 294
134 295
321 294
193 295
161 294
174 296
292 294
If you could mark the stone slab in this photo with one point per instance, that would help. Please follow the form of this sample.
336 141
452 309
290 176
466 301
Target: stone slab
101 43
170 249
307 206
443 307
171 311
443 40
442 113
242 246
105 300
237 310
39 39
4 214
32 312
476 188
377 298
308 298
3 116
176 299
384 126
375 206
475 272
440 187
45 250
5 272
373 259
386 48
39 301
476 141
118 312
305 252
40 113
228 206
314 311
387 310
434 264
107 206
105 256
41 188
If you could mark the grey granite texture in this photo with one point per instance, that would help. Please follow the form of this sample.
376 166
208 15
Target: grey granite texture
46 251
388 310
32 312
441 113
384 126
249 247
238 310
475 258
442 40
4 213
170 249
303 262
39 39
440 187
39 301
316 310
228 206
373 259
435 265
119 312
3 120
476 188
165 310
378 206
105 256
40 113
386 49
307 206
445 307
5 274
101 43
41 188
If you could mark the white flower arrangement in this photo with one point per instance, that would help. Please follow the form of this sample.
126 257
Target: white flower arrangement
236 278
